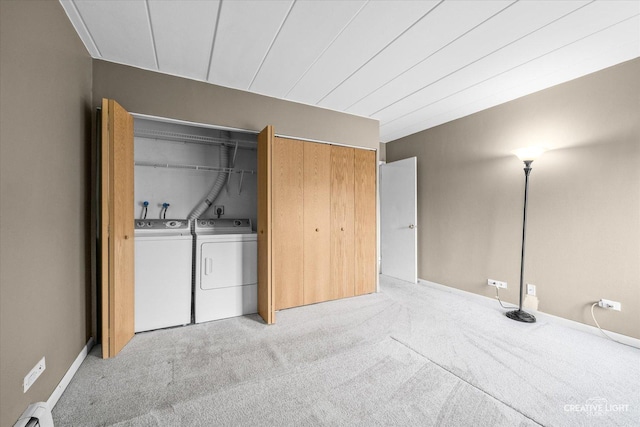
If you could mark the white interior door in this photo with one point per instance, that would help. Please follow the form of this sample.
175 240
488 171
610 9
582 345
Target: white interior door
398 219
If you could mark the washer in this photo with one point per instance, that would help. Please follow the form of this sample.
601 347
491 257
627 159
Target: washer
163 263
226 269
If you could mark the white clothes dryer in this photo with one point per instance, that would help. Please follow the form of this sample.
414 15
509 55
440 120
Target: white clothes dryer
226 269
163 263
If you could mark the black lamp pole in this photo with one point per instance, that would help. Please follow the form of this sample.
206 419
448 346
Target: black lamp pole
519 314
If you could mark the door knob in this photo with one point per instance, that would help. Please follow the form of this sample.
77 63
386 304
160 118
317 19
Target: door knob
317 229
126 237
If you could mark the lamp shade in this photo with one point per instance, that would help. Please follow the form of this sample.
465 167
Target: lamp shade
529 154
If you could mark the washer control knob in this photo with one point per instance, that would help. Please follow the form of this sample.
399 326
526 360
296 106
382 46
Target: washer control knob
140 224
211 222
237 223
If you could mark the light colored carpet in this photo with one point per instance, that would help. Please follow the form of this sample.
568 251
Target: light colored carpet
409 355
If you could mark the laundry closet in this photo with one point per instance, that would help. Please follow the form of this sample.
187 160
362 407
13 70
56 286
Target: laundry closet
195 208
200 223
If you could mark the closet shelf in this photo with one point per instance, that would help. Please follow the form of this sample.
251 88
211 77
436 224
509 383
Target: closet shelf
195 139
194 167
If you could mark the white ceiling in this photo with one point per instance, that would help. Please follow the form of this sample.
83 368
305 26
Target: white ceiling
410 64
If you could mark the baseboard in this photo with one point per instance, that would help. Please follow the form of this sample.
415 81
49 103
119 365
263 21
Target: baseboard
64 382
624 339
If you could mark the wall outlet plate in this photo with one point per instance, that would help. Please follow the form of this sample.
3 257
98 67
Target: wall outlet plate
497 283
612 305
531 289
33 375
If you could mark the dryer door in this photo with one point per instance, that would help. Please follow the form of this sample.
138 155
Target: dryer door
227 264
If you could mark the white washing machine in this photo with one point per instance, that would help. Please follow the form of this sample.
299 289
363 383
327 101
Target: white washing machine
226 270
163 263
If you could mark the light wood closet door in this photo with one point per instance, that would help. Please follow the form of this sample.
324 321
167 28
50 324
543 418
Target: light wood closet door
342 222
317 222
287 222
365 221
265 285
117 277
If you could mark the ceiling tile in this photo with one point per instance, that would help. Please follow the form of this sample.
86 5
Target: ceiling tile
377 25
310 27
444 24
572 27
245 32
120 30
504 28
537 44
183 35
615 44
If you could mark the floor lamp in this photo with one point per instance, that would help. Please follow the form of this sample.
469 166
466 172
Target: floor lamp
527 155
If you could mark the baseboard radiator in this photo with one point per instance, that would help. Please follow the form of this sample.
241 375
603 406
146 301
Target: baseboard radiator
36 415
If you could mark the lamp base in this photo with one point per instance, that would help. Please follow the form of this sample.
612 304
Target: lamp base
521 316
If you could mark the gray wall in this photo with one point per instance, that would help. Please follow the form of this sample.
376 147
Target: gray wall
45 87
147 92
584 213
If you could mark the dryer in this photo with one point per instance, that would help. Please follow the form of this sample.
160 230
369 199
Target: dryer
163 262
226 269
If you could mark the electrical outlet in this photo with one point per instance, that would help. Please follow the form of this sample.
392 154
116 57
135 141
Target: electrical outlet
33 375
613 305
497 283
531 289
219 208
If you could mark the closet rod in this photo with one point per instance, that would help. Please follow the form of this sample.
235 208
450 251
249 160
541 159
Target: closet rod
194 167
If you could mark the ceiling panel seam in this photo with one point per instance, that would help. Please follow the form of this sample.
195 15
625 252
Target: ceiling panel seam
84 24
506 71
327 48
425 59
213 41
379 52
271 45
153 37
476 60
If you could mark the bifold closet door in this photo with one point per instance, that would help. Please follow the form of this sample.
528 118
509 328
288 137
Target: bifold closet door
317 222
287 180
265 282
116 262
365 221
342 222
